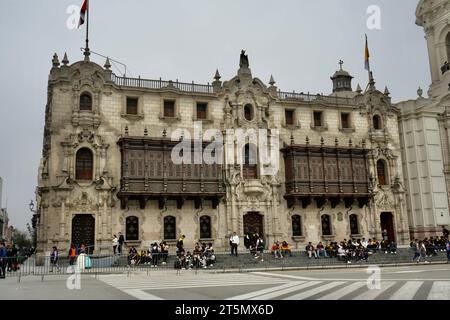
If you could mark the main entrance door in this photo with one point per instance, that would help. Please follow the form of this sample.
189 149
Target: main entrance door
387 222
253 223
83 230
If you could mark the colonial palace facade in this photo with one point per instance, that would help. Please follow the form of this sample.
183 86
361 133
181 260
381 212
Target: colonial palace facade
351 163
107 167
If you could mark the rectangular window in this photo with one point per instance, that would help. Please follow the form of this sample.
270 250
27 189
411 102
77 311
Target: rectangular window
317 118
169 108
289 116
132 105
345 120
201 110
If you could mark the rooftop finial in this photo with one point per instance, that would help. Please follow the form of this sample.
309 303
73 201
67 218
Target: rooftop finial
55 60
217 75
386 91
371 81
340 64
321 141
164 133
358 89
107 64
65 60
271 81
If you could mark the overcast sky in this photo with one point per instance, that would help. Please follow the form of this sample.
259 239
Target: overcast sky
300 42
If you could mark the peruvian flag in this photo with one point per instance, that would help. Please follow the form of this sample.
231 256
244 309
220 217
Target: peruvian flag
83 10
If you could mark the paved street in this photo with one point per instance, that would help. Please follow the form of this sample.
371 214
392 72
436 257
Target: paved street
420 282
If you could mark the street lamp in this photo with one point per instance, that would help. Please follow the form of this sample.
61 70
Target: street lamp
35 215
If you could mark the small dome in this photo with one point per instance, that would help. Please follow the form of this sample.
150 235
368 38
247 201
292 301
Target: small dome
341 73
342 80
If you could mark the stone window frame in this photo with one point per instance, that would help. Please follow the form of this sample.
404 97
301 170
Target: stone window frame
94 163
163 227
381 120
91 95
176 99
208 111
324 124
358 225
331 225
385 173
140 107
126 228
351 121
210 227
253 111
295 118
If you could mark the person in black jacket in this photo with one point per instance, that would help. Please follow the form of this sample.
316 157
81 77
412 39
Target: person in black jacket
121 241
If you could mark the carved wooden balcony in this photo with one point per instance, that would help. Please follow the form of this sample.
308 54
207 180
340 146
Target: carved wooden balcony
148 173
326 174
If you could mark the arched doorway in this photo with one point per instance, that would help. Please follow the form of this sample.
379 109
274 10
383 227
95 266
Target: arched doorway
253 223
83 230
387 222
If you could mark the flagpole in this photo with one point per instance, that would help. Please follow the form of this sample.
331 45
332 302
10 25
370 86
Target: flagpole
86 50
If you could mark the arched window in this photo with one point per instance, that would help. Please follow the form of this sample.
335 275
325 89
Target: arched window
381 172
376 122
169 228
354 229
248 112
84 164
132 228
296 226
250 161
205 227
85 102
326 225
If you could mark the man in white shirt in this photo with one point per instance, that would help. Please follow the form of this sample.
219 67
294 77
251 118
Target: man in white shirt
234 242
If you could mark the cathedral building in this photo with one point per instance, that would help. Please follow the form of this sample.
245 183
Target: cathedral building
423 128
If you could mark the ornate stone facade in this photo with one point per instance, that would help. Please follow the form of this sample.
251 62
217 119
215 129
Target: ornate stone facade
93 184
424 136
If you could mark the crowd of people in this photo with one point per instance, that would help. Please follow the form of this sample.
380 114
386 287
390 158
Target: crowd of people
152 256
11 257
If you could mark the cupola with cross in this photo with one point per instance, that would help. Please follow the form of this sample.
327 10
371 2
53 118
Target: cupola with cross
342 80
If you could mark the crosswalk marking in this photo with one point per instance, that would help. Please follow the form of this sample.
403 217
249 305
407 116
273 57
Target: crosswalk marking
440 291
335 295
265 291
286 291
407 291
270 274
373 293
309 293
141 295
188 281
276 286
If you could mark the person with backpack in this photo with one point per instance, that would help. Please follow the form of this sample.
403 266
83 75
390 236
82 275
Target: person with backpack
260 248
54 256
121 242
